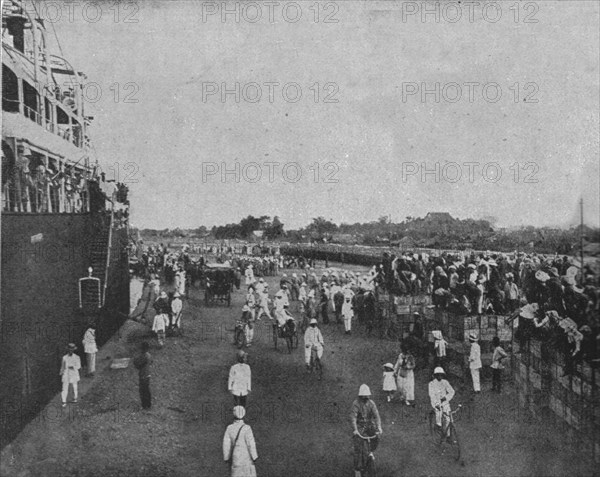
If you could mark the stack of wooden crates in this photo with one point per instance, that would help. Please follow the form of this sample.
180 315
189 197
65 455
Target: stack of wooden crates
571 401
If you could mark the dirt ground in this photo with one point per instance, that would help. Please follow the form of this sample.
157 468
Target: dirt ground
301 424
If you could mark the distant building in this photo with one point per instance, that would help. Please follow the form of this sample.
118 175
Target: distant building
406 242
438 217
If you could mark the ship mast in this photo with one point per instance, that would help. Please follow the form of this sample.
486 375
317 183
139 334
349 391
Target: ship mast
581 239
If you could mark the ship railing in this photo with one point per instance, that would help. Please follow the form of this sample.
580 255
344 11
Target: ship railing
64 132
32 114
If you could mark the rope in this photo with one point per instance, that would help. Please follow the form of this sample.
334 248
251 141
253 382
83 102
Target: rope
53 29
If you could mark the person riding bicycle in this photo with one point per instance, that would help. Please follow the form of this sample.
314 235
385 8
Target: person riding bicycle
440 394
365 422
312 338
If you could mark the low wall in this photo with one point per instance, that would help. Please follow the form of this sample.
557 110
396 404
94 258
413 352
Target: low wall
571 401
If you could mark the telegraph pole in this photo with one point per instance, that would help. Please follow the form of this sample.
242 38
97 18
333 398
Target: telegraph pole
581 239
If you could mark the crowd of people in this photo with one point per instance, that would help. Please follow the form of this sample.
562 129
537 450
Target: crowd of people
562 315
475 283
542 292
557 300
334 296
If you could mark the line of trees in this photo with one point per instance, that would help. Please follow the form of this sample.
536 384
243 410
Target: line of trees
436 230
247 227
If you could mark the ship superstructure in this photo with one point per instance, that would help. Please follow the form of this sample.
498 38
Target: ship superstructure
64 228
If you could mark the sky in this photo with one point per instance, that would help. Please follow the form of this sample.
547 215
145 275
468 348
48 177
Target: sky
512 132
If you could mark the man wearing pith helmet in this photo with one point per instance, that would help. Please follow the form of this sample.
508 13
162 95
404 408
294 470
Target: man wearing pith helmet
240 379
239 447
312 338
365 422
440 394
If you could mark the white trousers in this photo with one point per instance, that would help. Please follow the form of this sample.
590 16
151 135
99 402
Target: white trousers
265 310
307 353
480 300
249 334
347 322
438 412
65 391
406 385
475 377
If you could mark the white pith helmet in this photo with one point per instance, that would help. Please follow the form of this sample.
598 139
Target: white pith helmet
364 391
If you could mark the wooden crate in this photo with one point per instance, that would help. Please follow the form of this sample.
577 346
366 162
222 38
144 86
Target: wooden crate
535 379
586 390
556 406
535 348
576 385
587 372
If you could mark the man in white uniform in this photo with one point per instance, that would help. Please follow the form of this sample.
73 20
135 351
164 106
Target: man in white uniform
348 313
69 372
475 362
240 379
440 394
180 281
176 307
239 447
263 303
281 304
312 337
249 273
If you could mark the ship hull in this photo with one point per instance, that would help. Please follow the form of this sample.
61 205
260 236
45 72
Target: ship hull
40 308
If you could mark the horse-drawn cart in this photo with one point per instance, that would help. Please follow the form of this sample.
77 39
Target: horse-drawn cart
219 280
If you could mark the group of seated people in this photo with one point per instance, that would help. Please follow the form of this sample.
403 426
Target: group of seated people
562 314
492 283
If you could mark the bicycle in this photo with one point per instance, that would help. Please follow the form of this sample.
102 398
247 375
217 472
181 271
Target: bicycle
315 362
367 465
446 435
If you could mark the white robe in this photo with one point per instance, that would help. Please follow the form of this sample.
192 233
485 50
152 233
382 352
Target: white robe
243 454
313 337
89 341
70 375
160 322
347 310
